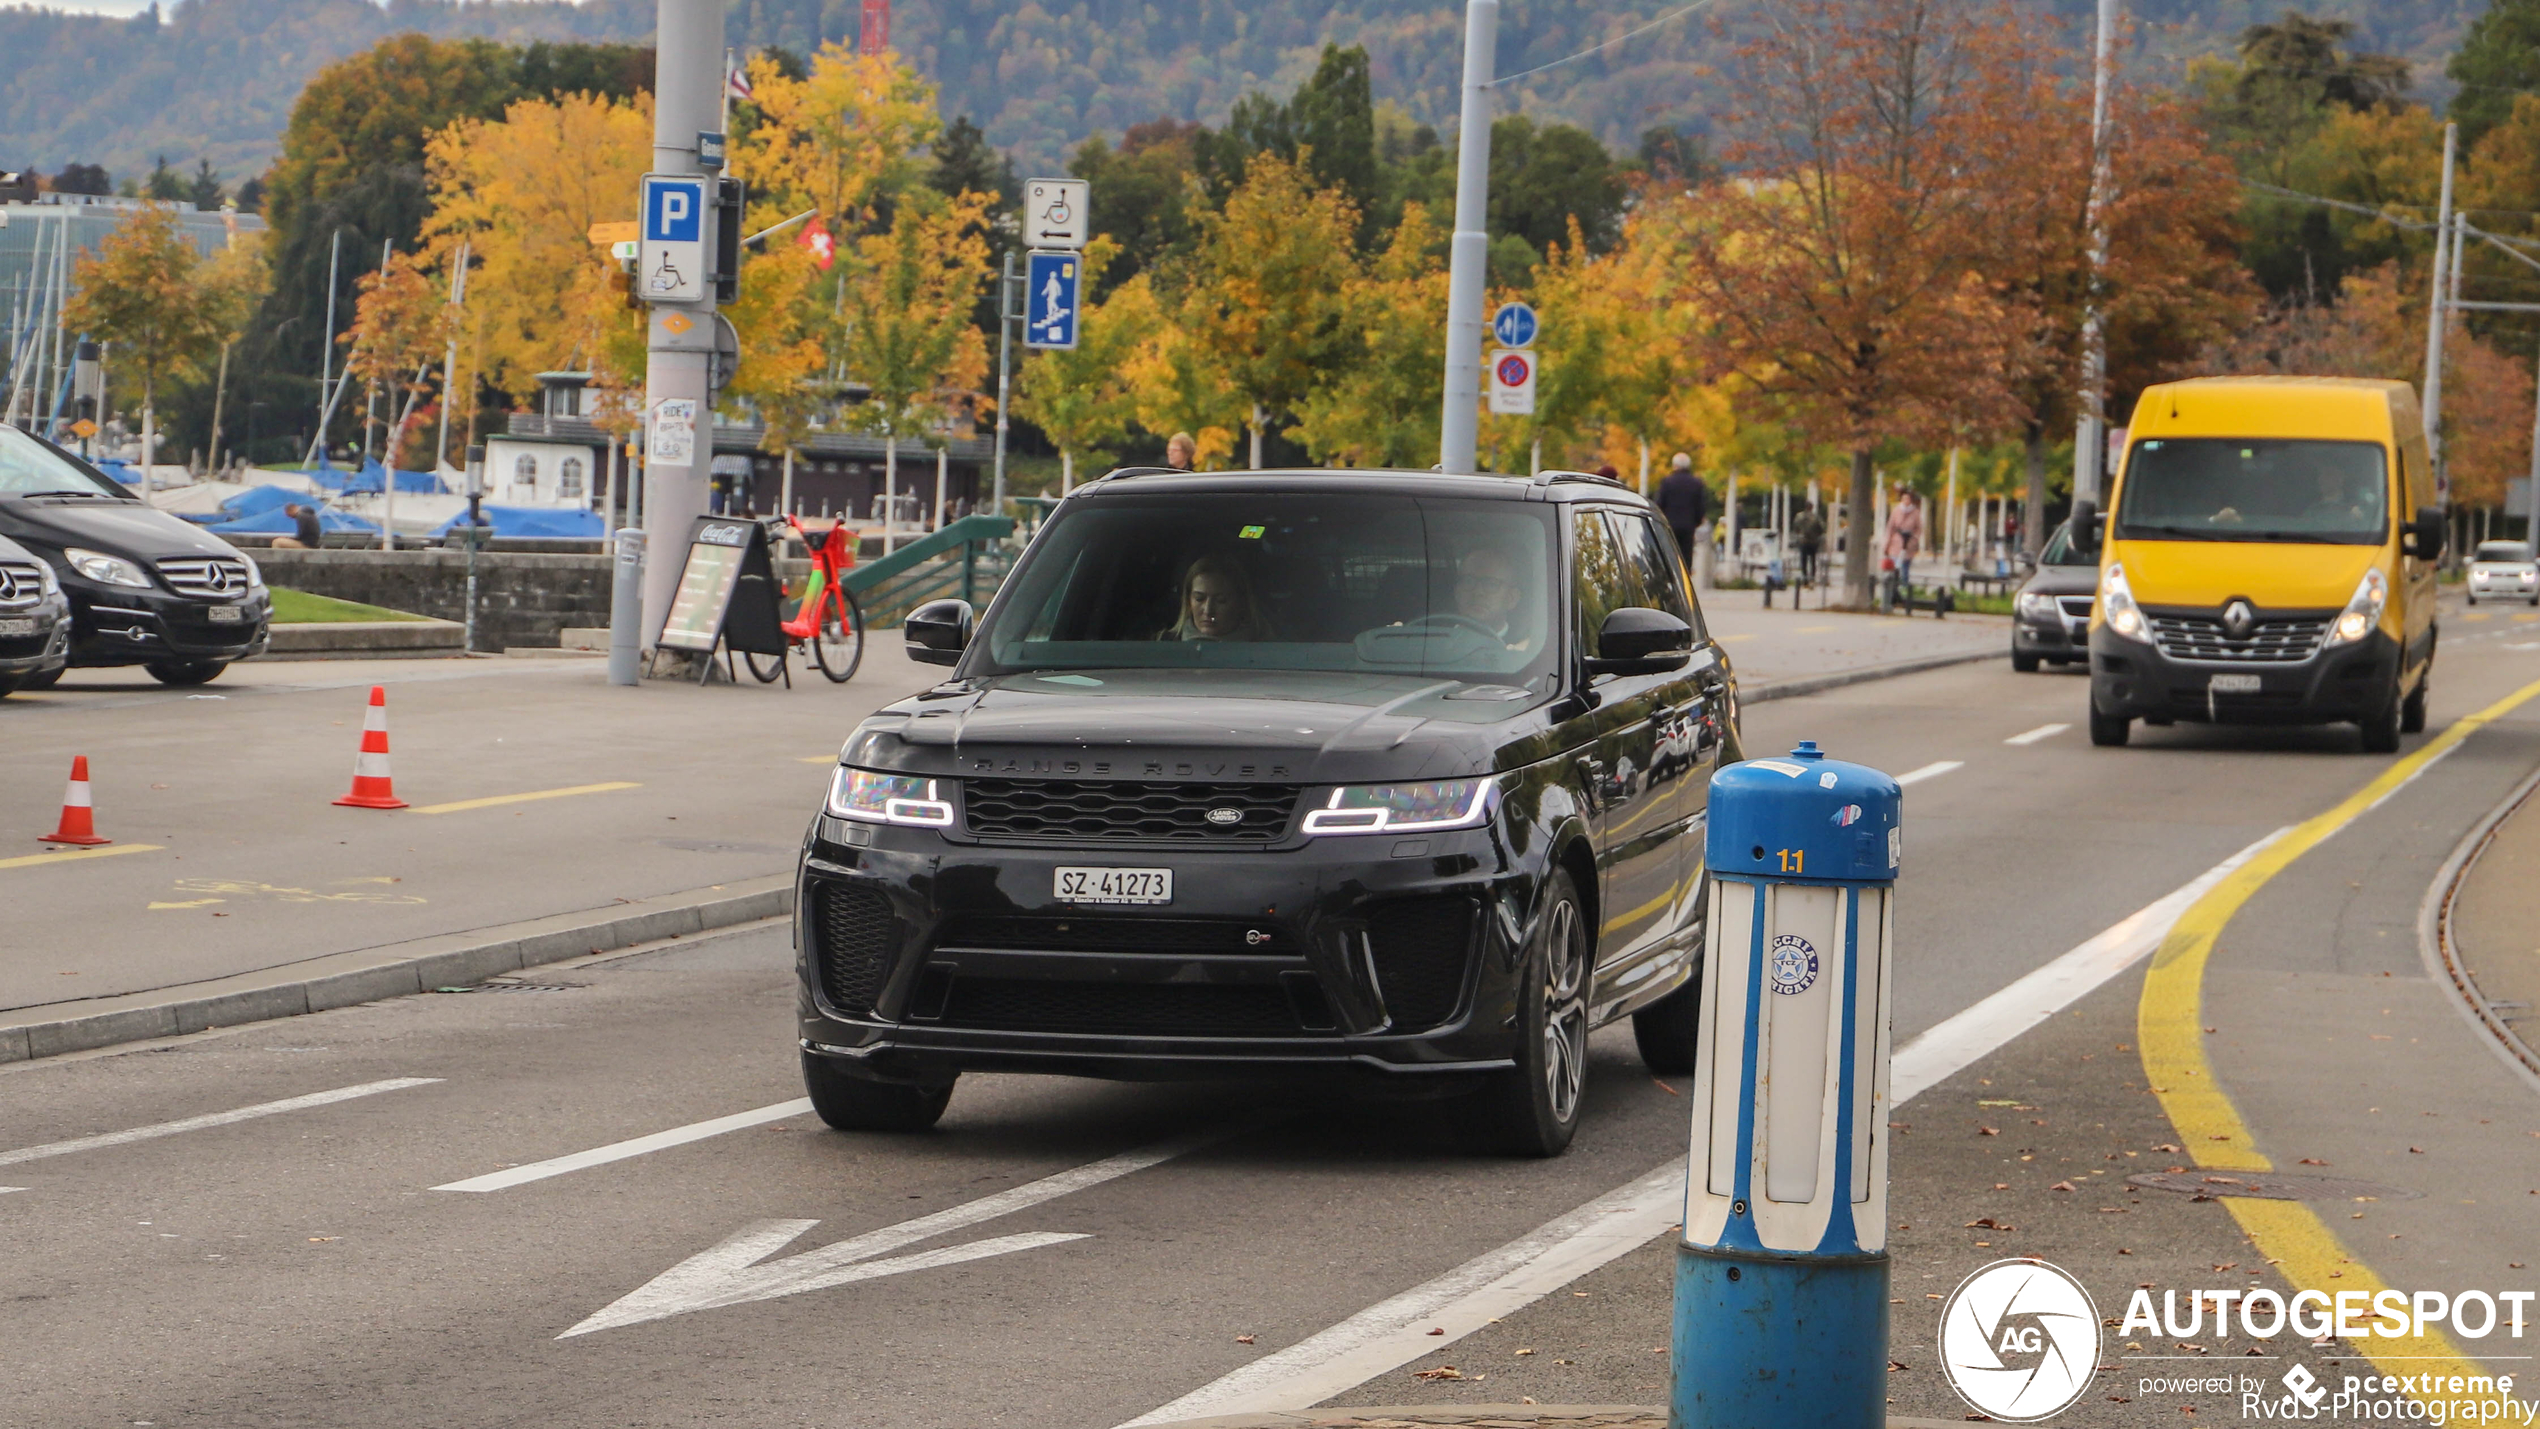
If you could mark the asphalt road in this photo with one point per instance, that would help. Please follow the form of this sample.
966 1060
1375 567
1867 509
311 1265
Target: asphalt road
300 1267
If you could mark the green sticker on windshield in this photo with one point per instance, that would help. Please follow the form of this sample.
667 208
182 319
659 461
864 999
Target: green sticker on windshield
1252 533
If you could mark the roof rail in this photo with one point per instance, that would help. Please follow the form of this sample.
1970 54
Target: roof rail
1546 478
1121 471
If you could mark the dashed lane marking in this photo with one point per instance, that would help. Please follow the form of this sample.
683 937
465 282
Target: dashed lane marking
634 1146
218 1118
1494 1285
2168 1027
465 804
1932 770
76 855
2043 731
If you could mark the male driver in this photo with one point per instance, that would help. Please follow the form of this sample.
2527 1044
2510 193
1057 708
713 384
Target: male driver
1487 593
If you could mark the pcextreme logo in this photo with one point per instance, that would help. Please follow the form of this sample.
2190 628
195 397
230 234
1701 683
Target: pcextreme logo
2019 1340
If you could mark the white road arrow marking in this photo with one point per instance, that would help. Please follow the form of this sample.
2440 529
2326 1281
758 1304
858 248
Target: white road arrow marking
730 1274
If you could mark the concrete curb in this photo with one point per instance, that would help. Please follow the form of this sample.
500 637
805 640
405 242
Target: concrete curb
395 970
1577 1416
1818 684
366 640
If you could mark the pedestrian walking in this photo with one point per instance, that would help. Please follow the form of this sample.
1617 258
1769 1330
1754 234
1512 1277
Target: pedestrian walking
1685 501
1904 537
1808 531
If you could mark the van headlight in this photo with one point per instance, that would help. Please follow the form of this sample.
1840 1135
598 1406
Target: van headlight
2117 607
891 799
2363 611
105 569
1404 808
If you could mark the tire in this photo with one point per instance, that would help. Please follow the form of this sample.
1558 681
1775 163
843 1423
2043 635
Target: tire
2381 728
2025 664
838 648
2412 709
852 1103
182 673
765 674
2106 730
1533 1108
1668 1031
9 685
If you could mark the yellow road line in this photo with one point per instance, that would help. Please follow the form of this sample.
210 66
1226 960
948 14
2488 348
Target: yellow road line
75 855
2168 1024
465 804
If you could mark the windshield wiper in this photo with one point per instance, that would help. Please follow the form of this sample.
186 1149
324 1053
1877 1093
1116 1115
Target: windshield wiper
71 491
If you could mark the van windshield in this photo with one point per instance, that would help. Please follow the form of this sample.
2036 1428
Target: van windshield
2255 489
1282 581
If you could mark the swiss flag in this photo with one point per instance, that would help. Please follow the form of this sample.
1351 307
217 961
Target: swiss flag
822 243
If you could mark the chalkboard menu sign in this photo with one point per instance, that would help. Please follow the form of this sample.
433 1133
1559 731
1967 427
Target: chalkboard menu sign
727 592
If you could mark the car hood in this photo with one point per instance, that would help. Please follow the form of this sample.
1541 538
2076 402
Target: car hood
1213 726
119 528
2063 580
2272 575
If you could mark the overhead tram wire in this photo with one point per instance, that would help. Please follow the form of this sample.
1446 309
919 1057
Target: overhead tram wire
1607 45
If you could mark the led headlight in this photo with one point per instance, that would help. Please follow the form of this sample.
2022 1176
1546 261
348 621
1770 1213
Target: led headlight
1404 808
2363 611
2116 604
2037 605
890 799
105 569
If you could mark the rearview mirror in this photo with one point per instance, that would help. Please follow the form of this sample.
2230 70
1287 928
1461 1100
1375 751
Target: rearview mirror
939 631
2424 537
1639 641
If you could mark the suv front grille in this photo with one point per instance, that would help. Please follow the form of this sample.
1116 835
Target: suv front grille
1420 947
1168 1009
854 937
2275 640
1076 809
206 577
20 584
1118 935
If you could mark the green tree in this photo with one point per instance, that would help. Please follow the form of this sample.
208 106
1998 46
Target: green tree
906 318
2498 59
164 185
1379 406
1266 291
203 190
142 292
1085 400
1544 178
1141 192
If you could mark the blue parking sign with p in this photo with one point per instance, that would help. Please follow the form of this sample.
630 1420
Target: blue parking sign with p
674 210
1050 309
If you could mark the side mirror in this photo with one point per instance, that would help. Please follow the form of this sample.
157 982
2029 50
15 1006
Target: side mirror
2085 526
1639 641
2423 538
939 631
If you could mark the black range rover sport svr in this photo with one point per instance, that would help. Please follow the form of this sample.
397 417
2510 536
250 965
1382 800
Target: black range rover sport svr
1395 779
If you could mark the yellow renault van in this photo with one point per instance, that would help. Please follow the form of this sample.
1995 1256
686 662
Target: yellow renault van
2269 558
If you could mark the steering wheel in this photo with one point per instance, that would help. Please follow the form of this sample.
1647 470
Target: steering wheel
1449 617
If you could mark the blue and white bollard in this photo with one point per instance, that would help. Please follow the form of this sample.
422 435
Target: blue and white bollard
1781 1279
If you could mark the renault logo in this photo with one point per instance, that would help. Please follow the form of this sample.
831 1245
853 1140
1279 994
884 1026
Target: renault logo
1224 818
2239 620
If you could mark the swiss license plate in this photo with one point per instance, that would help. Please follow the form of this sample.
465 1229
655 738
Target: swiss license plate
1113 885
227 614
2233 684
18 625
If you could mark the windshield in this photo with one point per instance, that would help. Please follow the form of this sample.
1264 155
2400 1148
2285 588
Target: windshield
30 468
2255 489
2059 550
1282 581
2513 551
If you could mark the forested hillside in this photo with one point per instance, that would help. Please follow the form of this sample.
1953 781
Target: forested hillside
215 78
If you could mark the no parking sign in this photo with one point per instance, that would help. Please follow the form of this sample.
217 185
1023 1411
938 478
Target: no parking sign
1512 383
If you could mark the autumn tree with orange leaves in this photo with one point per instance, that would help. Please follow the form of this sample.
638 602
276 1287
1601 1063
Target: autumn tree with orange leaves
1844 276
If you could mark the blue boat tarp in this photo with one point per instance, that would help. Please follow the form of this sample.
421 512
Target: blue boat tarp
121 470
372 478
543 522
257 500
271 522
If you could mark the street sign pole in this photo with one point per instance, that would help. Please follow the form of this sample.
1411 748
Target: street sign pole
1005 368
688 83
1459 424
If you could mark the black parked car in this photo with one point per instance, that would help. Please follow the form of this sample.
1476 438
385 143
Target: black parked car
35 625
2050 618
1390 779
145 588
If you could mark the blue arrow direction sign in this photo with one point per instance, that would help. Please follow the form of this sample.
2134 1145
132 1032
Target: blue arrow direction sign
1051 284
1514 325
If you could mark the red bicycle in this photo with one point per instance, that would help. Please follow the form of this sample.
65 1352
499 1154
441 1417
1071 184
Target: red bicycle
828 618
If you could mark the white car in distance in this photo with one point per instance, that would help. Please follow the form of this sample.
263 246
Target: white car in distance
2504 570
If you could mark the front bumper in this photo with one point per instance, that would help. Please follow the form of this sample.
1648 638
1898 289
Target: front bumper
2132 679
2056 637
47 648
2515 584
120 625
1376 959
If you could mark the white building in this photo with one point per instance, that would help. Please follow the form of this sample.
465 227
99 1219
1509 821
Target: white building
534 469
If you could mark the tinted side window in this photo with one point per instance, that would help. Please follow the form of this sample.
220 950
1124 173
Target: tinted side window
1660 577
1602 575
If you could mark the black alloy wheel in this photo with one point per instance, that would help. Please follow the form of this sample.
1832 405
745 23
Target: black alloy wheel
838 646
852 1103
185 672
1532 1109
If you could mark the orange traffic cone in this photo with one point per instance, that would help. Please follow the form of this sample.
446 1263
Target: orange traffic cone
371 786
79 824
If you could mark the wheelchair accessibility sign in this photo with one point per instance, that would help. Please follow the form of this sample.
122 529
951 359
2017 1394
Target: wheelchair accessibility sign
670 264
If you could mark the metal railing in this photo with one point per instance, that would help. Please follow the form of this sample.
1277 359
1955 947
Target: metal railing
968 558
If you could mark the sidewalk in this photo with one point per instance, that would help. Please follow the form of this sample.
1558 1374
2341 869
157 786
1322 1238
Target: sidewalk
2494 932
1769 647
